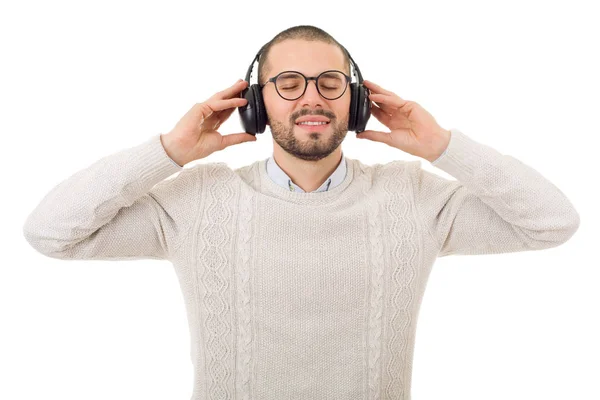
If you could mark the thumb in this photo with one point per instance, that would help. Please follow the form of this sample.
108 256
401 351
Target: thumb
376 136
237 138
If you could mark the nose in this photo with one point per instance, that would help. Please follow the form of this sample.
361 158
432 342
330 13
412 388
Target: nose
311 95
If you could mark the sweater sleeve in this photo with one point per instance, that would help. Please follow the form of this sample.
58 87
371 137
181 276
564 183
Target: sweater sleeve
497 204
121 207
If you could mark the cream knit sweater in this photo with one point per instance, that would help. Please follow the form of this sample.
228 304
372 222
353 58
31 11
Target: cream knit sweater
292 295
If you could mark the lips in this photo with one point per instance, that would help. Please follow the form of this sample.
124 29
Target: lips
298 123
313 128
313 118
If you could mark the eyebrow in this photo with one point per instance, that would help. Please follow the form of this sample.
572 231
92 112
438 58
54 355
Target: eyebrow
283 74
287 75
331 75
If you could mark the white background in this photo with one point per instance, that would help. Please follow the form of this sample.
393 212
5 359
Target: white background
80 80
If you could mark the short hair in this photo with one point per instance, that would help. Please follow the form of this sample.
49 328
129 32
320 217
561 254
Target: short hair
302 32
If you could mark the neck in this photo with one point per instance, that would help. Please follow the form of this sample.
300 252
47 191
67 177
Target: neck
309 175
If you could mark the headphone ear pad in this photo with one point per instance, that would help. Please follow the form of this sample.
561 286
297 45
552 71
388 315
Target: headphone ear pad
363 108
261 114
353 108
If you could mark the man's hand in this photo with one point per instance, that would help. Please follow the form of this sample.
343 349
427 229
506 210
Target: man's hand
413 129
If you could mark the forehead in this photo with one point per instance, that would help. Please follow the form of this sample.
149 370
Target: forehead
309 57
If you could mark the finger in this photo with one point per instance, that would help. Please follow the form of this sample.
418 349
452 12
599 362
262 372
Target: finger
212 108
237 138
375 87
232 91
214 105
376 136
222 116
385 107
385 99
384 137
381 115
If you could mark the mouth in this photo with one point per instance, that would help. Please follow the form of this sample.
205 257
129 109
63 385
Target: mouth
313 128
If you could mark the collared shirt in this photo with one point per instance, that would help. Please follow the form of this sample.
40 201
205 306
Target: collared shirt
281 178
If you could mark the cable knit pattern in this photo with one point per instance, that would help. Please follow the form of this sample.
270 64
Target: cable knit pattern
295 295
375 325
404 252
213 273
244 305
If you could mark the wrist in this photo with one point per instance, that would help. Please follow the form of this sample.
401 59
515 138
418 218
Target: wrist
443 142
171 149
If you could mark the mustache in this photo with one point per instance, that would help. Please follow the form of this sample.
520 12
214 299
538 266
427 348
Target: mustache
303 113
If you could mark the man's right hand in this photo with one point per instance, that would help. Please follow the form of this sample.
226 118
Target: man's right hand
195 136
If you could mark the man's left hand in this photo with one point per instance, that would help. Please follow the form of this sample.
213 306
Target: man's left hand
413 129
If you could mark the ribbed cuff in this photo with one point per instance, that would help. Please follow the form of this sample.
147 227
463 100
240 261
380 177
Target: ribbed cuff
441 155
154 163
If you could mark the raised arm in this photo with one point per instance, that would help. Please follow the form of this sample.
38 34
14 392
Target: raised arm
497 204
121 207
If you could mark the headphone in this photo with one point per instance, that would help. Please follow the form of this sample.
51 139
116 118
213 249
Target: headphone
253 115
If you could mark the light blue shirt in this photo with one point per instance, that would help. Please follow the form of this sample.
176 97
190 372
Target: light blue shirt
282 179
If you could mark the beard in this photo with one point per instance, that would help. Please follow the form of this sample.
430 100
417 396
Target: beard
309 146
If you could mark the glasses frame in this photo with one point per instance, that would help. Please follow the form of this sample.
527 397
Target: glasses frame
306 79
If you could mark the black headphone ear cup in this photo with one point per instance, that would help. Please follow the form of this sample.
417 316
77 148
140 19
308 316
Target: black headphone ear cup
261 114
363 108
247 112
252 115
353 110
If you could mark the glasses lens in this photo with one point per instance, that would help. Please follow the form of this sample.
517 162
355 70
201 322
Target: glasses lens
332 84
290 85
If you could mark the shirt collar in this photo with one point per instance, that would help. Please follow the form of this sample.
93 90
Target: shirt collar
281 178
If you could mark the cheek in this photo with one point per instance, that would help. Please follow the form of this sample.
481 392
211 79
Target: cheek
342 110
278 110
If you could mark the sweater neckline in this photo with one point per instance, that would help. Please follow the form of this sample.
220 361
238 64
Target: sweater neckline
304 197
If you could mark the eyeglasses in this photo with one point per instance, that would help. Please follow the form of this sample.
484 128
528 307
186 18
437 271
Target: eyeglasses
291 85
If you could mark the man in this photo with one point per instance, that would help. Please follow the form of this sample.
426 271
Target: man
310 155
306 286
